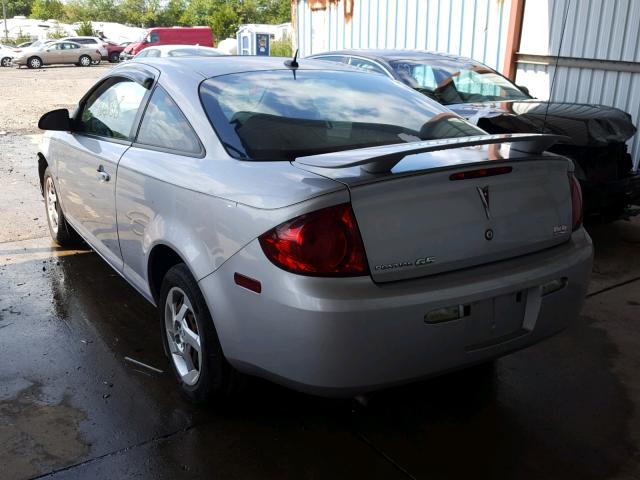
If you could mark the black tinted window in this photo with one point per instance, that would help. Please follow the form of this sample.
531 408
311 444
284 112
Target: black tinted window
282 114
165 126
111 109
154 37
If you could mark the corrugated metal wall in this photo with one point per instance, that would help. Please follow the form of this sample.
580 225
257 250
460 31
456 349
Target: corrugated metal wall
471 28
595 29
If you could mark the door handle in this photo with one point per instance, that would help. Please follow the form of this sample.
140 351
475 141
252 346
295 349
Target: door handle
102 175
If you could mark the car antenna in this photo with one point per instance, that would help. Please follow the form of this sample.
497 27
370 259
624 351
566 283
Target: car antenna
293 63
555 70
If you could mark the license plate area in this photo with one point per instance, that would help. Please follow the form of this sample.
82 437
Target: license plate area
495 320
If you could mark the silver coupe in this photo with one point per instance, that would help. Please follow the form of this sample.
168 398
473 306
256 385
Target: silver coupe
314 224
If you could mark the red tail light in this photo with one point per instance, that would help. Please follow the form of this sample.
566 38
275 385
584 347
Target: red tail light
576 201
322 243
481 172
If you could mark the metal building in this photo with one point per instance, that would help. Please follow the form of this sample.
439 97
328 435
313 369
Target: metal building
599 59
472 28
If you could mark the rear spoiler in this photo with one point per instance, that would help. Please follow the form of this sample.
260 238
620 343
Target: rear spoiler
384 158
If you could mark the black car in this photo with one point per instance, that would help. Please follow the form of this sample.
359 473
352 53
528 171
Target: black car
491 101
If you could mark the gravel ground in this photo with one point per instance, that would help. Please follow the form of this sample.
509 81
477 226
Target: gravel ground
25 96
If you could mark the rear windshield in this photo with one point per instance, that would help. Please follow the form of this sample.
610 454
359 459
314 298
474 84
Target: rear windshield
286 114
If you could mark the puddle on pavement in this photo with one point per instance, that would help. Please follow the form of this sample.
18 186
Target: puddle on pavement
38 433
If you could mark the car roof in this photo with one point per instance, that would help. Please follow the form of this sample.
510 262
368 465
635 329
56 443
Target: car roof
166 48
208 67
389 54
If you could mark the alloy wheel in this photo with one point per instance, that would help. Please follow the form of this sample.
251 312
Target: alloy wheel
51 201
183 337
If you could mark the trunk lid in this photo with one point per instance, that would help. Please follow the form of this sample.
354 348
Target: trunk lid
416 220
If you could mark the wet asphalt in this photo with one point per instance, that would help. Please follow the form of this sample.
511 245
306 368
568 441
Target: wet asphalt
72 407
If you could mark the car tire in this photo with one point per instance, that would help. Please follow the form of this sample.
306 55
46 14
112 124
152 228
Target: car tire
95 62
5 62
34 62
61 232
114 57
85 61
185 321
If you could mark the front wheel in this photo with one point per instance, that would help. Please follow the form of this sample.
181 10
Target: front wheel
85 61
34 62
114 57
190 339
5 62
61 232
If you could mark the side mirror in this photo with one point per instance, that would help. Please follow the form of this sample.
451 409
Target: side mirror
55 120
524 89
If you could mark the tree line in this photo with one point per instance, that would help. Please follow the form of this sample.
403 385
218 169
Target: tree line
223 16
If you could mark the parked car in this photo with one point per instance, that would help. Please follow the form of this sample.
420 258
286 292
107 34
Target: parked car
94 42
6 54
113 51
596 133
154 37
179 51
57 53
329 229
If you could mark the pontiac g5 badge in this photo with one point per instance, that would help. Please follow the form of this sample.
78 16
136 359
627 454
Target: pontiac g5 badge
484 197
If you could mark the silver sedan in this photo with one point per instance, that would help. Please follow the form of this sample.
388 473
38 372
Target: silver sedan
314 224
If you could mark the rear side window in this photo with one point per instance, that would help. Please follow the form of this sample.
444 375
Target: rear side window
366 64
284 114
111 109
165 126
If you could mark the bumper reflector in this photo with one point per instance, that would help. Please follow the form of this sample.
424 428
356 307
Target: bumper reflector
553 286
447 314
247 282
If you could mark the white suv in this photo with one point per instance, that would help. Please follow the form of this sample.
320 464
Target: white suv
96 42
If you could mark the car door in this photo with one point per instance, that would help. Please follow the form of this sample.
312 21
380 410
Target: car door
89 156
53 53
165 138
69 53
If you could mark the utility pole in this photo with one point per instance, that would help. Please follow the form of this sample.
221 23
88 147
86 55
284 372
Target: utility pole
4 16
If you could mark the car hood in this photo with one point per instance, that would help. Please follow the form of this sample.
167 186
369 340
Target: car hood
586 125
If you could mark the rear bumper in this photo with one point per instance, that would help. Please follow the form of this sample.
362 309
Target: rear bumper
343 336
615 193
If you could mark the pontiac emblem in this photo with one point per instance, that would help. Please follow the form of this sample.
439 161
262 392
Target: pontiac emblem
484 196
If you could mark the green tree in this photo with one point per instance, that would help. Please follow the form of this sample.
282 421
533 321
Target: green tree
46 9
85 29
18 7
174 13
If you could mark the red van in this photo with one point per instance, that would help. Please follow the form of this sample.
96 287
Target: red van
169 36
